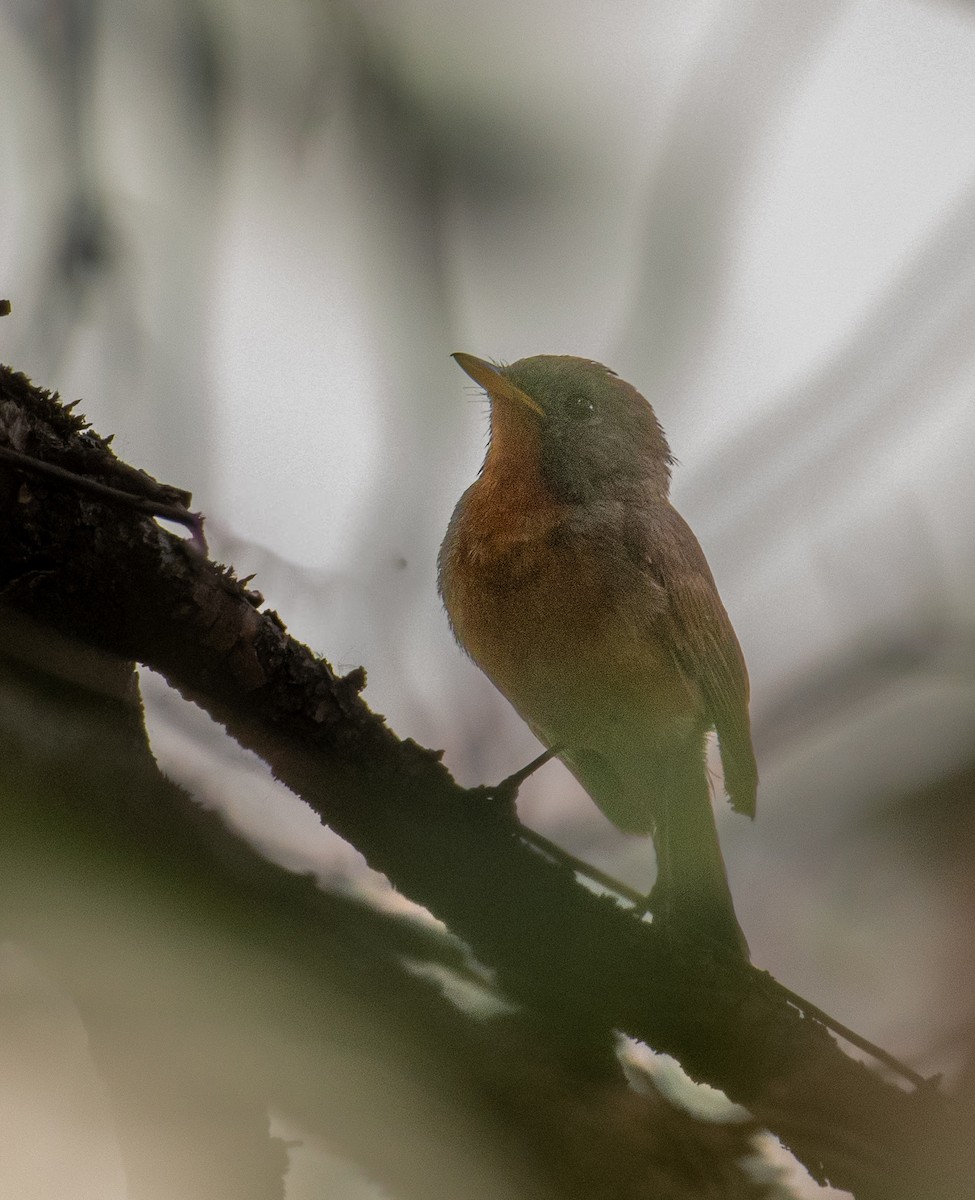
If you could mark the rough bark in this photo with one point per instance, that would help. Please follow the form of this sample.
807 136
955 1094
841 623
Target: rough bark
581 965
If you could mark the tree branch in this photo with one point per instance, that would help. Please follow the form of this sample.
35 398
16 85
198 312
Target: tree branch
585 967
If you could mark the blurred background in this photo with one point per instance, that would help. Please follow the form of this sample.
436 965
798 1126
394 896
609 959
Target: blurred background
248 236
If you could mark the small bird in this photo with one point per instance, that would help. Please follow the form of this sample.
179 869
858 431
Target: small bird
585 598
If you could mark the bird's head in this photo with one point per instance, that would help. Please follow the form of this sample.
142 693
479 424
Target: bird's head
585 430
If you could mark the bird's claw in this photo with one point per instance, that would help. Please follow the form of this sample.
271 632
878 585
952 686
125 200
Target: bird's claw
507 790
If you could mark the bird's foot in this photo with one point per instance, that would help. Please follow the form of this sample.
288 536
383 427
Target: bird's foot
500 797
506 792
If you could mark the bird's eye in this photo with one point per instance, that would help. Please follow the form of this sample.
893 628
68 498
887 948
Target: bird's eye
579 408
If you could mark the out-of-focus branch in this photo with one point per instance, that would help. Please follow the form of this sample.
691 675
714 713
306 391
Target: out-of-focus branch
315 1006
580 964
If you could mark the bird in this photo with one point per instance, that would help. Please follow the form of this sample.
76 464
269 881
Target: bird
578 589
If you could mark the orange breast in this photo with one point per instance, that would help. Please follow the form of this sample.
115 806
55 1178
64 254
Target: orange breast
562 623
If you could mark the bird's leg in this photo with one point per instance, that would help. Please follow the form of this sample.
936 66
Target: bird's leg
655 901
659 900
505 794
507 790
501 796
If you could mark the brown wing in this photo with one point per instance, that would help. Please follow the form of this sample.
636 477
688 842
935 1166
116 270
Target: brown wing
708 652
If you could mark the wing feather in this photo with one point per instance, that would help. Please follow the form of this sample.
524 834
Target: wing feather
708 653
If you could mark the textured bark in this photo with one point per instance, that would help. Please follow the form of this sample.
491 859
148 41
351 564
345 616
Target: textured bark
583 967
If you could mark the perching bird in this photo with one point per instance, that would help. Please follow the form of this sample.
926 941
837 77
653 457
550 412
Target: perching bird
583 595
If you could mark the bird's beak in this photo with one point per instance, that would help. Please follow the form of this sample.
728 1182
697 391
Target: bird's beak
494 383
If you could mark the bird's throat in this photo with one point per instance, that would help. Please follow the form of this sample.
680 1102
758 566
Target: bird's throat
512 472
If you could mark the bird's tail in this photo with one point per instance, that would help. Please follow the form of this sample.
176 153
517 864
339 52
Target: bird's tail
691 895
670 798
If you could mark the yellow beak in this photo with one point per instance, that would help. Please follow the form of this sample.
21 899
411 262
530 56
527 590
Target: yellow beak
494 383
